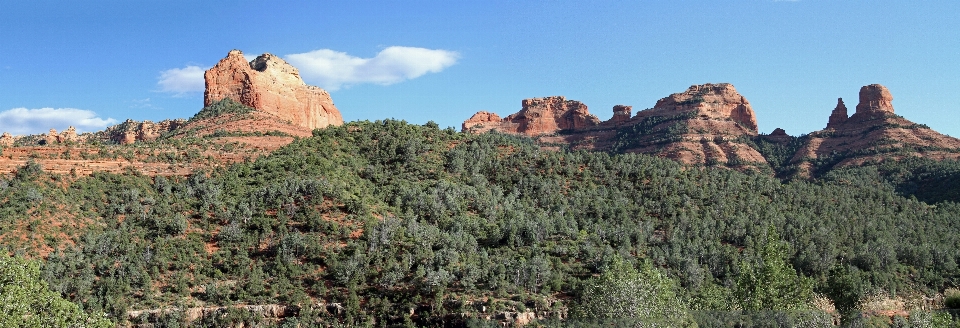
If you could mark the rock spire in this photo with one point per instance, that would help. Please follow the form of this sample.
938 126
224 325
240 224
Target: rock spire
838 116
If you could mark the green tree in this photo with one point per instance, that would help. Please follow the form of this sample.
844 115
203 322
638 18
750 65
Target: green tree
26 300
646 296
767 282
846 286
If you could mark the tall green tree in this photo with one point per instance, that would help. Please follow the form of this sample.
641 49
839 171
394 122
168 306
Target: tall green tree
26 300
767 282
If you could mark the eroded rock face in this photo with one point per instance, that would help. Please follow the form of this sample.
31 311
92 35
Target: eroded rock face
539 116
838 116
873 133
68 135
482 121
621 113
131 131
271 85
719 100
51 137
875 98
701 125
6 139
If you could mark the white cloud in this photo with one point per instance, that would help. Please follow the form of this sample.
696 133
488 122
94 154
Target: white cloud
181 81
331 69
21 121
142 104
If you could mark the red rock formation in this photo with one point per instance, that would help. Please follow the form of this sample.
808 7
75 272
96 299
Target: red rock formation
875 98
621 113
6 139
481 122
718 101
131 131
68 135
270 85
838 116
778 136
702 125
50 138
710 136
874 133
538 116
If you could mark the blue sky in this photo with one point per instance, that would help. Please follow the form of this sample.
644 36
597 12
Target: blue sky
93 63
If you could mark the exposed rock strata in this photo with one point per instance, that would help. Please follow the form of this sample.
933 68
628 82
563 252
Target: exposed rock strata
621 113
715 101
701 125
270 85
482 121
131 131
538 116
875 98
874 132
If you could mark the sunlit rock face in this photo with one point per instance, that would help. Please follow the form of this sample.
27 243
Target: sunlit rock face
270 85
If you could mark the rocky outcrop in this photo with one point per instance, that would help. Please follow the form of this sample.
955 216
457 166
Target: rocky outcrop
716 101
131 131
838 116
621 113
51 137
538 116
778 136
7 140
271 85
702 125
874 132
875 98
67 136
482 122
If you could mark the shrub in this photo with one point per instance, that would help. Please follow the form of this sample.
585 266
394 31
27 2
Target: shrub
224 106
952 299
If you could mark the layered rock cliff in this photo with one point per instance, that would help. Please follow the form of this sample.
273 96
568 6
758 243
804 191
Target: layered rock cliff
719 101
538 116
702 125
873 132
270 85
131 131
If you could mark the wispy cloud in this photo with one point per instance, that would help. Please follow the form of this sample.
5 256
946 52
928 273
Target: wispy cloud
20 121
182 81
331 69
142 104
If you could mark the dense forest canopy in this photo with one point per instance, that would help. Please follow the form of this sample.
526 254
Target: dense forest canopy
391 224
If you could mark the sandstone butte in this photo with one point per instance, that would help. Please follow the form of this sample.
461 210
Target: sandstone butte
285 108
271 86
873 132
697 126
